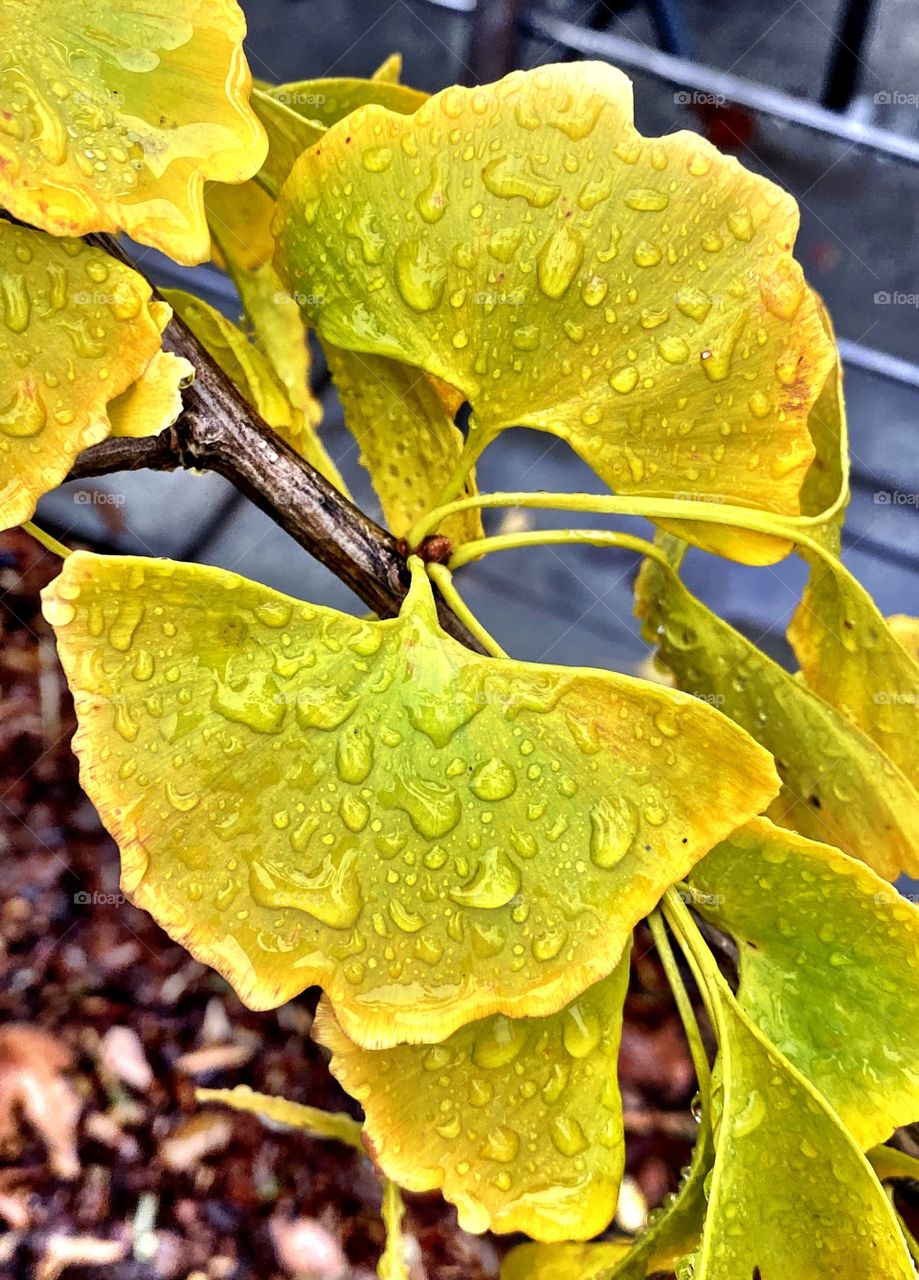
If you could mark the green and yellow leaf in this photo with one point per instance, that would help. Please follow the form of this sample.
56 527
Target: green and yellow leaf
304 798
79 330
403 421
673 1231
240 230
837 784
905 631
523 243
791 1195
116 125
255 378
565 1261
517 1121
852 659
289 135
829 968
326 101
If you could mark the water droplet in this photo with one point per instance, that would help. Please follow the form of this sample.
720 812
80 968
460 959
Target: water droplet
510 176
493 883
420 275
646 200
624 380
613 825
567 1135
493 780
332 895
558 261
499 1043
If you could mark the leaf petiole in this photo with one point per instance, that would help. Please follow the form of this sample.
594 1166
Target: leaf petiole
50 544
683 1003
441 576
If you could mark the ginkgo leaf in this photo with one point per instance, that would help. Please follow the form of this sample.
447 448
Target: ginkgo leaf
303 797
79 329
154 401
829 968
328 100
673 1230
905 630
826 486
849 656
403 420
838 786
791 1195
564 1261
116 125
289 135
240 230
255 377
390 69
522 242
517 1121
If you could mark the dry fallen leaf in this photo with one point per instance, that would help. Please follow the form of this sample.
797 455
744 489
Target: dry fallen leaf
33 1088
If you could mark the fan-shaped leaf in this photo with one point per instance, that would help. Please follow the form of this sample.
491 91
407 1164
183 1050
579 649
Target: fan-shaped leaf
240 229
328 100
154 401
849 656
905 631
403 420
114 121
433 836
255 377
518 1122
838 786
829 968
79 329
791 1195
673 1230
525 244
564 1261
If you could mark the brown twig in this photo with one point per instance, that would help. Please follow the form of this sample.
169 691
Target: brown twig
219 431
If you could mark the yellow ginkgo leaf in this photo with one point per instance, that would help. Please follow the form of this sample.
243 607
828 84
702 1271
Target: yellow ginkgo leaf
838 785
826 485
240 230
850 657
289 134
114 121
390 70
154 401
786 1173
905 631
829 968
303 797
277 1110
79 329
403 421
565 1261
328 100
255 377
517 1121
522 242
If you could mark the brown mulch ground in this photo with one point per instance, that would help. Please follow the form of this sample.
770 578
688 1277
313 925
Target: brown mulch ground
99 1012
